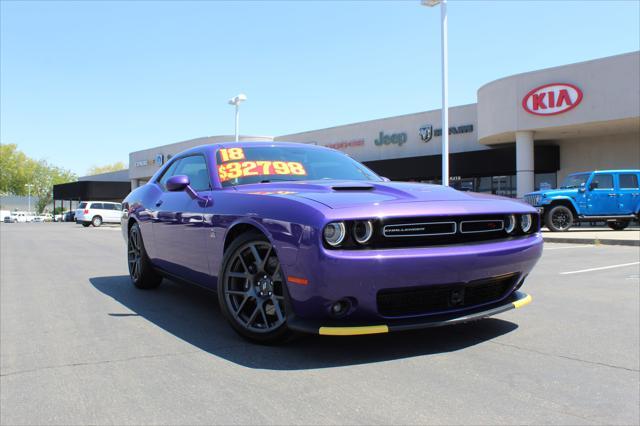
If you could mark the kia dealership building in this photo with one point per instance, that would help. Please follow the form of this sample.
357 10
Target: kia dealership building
526 131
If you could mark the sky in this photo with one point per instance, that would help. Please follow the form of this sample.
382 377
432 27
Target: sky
85 83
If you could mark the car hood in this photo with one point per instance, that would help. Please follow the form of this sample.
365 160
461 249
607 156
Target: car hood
554 192
337 194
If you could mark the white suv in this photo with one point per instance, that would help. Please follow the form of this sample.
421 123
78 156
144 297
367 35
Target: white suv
98 212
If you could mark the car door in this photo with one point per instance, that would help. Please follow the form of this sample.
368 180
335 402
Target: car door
178 228
115 212
628 192
601 195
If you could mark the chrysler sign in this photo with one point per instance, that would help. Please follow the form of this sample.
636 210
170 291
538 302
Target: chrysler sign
551 99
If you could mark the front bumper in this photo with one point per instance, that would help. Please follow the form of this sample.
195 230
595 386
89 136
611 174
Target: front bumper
359 276
336 328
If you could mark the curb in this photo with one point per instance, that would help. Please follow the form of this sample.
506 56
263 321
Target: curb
593 241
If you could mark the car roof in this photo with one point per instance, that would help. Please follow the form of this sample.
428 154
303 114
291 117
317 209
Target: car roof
609 171
252 144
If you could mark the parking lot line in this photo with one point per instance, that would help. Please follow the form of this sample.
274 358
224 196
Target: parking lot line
600 268
570 247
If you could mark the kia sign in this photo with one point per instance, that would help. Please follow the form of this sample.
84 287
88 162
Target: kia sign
551 99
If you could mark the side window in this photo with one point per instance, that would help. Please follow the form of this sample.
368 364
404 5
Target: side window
196 168
628 181
604 181
112 206
167 174
96 206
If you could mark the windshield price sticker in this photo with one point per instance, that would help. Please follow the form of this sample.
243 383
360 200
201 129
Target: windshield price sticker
240 169
231 154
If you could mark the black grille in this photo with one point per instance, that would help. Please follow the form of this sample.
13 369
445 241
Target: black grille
435 231
437 298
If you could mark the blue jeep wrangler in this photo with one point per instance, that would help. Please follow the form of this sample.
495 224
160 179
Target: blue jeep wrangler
604 195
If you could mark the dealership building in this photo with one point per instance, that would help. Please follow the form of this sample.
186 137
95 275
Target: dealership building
526 131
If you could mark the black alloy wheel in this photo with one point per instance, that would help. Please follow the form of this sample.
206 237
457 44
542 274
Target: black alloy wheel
252 290
559 218
140 269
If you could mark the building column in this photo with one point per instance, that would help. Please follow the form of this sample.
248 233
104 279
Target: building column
524 163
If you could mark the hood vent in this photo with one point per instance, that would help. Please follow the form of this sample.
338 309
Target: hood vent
353 188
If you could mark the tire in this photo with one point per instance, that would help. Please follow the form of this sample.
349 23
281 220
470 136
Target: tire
254 299
559 218
141 271
96 221
618 225
86 224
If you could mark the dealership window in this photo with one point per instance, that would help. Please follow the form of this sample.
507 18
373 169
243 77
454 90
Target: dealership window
628 181
545 181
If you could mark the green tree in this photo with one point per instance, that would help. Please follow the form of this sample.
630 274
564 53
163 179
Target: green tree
17 170
96 170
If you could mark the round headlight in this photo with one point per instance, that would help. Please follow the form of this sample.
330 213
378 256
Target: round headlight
526 222
362 231
334 233
510 224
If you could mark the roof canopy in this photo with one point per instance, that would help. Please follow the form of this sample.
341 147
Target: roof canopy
92 191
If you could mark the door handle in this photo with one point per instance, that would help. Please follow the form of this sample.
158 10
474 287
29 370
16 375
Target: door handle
612 195
159 203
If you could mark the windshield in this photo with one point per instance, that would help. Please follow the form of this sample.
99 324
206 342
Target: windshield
241 166
574 181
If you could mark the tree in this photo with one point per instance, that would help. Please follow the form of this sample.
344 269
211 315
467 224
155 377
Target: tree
17 170
96 170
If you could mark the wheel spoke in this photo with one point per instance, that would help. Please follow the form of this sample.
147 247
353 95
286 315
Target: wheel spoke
253 315
264 316
237 292
244 265
244 301
276 305
276 273
266 258
256 255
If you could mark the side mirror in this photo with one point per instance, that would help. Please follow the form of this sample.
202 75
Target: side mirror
178 183
583 187
182 183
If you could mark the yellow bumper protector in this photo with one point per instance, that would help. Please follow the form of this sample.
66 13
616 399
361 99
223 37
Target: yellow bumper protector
353 331
520 303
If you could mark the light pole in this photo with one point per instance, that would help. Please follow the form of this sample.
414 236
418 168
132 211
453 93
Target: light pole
236 101
29 185
445 87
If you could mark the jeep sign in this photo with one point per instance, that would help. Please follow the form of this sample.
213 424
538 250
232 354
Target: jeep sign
551 99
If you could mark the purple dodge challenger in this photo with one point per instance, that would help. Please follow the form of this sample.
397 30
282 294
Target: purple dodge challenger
296 237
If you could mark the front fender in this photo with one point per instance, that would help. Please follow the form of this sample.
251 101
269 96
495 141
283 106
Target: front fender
550 200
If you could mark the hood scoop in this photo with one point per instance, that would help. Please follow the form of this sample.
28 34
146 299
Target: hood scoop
352 188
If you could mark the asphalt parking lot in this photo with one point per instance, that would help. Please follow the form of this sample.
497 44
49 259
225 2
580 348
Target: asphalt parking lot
80 345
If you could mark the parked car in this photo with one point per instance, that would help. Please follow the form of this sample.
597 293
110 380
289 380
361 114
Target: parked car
98 212
21 217
7 219
70 216
604 195
297 237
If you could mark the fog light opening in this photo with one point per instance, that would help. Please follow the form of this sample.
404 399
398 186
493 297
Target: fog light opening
340 308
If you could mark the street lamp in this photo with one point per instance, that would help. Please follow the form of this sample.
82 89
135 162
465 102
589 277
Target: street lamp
445 88
29 185
236 101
